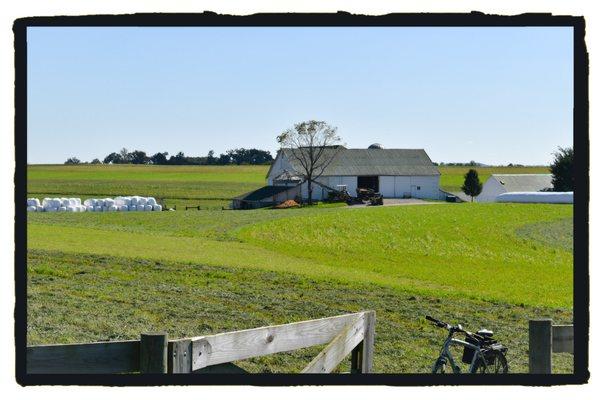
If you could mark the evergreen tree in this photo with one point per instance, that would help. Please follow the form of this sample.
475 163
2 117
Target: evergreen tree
563 177
472 186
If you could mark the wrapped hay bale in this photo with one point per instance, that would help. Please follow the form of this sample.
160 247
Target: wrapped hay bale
72 208
64 202
46 202
89 202
89 208
109 202
31 209
39 209
98 208
62 209
119 201
123 207
112 208
134 200
157 207
33 202
142 201
147 207
51 209
132 208
536 197
151 201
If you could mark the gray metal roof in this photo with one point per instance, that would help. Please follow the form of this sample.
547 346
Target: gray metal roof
356 162
524 182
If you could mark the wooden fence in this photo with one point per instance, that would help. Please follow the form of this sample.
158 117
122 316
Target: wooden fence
545 339
155 353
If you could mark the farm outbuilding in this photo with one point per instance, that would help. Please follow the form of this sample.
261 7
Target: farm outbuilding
498 184
395 173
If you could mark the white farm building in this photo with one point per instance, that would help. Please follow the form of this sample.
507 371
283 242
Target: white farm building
395 173
498 184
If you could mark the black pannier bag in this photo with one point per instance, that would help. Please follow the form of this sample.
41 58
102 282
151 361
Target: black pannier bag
467 352
485 341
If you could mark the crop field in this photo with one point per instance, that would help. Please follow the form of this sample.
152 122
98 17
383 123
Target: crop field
211 187
196 272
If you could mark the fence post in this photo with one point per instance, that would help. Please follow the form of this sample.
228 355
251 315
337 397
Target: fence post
153 353
540 346
368 344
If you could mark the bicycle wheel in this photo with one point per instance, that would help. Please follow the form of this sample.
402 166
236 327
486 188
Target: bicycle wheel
496 363
440 366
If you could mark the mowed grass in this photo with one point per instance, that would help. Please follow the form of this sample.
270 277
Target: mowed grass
452 178
211 187
447 250
75 297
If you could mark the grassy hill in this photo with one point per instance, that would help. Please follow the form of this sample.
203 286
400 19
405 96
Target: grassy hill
196 272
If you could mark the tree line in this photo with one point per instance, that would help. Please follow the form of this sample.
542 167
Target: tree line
239 156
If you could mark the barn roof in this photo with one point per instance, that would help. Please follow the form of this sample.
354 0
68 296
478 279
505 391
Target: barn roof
524 182
351 162
263 192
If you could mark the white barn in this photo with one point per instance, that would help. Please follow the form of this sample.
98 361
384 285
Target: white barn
395 173
498 184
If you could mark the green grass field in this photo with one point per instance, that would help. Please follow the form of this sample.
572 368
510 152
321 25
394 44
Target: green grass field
195 272
210 187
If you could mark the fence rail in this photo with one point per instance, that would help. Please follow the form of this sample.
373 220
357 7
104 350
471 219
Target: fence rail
154 353
545 339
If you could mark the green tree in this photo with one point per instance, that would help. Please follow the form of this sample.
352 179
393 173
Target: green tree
96 161
563 176
313 145
73 161
472 185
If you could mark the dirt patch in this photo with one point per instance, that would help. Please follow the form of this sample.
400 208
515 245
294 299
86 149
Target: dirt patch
287 204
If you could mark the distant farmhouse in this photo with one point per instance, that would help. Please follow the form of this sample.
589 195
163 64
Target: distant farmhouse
498 184
395 173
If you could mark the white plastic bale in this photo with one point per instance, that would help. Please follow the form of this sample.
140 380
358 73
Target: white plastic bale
536 197
142 201
109 202
72 208
112 208
157 207
132 208
134 200
63 209
64 202
31 208
40 209
89 208
33 202
97 208
147 207
151 201
88 202
123 207
46 202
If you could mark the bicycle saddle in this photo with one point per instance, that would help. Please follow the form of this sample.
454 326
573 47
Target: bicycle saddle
485 333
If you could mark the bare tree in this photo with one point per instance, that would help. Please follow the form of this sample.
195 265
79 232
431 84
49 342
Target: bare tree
313 145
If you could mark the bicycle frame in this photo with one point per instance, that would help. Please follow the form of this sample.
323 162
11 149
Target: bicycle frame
445 353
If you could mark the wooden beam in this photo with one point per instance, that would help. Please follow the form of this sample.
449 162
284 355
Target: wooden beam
562 339
233 346
84 358
540 346
153 353
368 344
337 350
180 356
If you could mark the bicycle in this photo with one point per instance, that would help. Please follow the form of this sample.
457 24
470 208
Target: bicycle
483 354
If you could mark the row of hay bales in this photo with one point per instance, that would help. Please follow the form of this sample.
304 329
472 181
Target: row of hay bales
125 203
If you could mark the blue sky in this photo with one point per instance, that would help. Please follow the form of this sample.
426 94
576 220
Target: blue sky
495 95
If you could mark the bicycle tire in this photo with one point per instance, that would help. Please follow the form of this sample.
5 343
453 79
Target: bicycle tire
440 366
496 363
